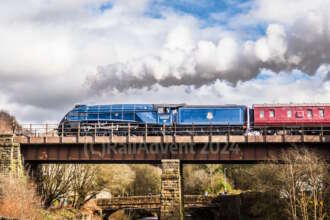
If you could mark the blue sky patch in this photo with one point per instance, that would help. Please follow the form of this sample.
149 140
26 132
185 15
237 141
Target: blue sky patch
211 13
203 9
105 6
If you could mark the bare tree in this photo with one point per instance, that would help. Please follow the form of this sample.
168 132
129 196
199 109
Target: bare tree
315 172
8 123
76 182
305 171
300 180
86 183
54 182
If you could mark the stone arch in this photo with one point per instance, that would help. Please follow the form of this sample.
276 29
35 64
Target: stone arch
139 212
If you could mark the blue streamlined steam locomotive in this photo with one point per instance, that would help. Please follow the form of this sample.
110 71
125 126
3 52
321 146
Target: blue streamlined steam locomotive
154 119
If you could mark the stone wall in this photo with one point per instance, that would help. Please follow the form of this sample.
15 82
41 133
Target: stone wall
131 202
171 207
10 157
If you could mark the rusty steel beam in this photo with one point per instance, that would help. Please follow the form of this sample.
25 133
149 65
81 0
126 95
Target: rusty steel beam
168 139
154 153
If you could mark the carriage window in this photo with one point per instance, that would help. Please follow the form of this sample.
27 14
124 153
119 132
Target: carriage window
262 114
271 113
289 113
300 114
321 113
160 110
309 113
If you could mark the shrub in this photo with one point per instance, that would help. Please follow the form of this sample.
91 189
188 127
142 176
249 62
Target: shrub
18 199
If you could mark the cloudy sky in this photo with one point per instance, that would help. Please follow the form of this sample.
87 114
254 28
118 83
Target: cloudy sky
56 53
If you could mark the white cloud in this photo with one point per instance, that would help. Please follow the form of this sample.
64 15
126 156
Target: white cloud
273 46
287 11
49 47
183 60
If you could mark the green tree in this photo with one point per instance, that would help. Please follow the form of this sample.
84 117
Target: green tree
147 180
119 178
199 179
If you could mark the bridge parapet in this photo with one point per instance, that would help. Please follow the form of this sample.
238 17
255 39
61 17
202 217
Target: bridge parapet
133 202
154 202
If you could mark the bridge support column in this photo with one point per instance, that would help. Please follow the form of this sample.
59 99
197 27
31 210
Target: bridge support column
10 157
171 201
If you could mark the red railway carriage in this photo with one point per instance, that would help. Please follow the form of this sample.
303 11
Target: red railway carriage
291 115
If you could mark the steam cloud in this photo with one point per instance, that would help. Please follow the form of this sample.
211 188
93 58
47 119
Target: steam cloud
305 45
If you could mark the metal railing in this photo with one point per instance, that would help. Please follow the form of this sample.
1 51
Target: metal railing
121 129
37 130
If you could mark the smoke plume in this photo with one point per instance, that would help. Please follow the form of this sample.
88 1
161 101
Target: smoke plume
303 45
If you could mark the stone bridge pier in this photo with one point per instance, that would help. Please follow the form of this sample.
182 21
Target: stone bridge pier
10 157
169 205
171 199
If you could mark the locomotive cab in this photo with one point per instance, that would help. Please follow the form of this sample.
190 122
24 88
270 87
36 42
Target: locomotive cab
165 115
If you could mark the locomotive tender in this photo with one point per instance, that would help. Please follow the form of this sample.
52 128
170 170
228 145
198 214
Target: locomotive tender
182 119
